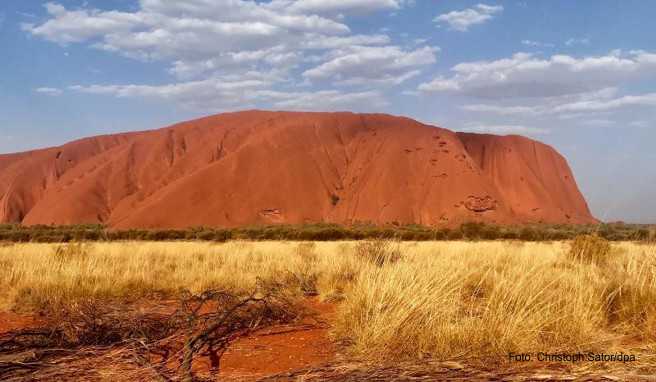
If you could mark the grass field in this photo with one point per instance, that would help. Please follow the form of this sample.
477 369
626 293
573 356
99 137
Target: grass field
395 300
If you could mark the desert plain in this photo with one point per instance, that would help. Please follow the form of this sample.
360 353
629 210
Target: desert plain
343 310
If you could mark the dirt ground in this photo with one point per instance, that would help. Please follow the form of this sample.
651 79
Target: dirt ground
12 321
282 349
304 352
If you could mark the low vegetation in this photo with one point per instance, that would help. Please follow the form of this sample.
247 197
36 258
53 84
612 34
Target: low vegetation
329 232
591 249
396 299
465 299
378 252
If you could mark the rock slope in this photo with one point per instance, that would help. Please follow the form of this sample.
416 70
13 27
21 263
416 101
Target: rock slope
258 167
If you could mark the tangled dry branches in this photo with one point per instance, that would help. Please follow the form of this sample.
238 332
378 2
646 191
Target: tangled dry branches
165 345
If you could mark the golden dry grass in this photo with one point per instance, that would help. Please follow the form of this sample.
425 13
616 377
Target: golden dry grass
34 275
438 299
459 299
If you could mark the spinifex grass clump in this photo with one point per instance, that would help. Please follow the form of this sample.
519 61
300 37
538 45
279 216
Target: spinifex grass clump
305 274
379 252
70 252
590 249
630 293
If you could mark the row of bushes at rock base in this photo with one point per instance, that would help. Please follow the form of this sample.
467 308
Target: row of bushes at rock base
329 232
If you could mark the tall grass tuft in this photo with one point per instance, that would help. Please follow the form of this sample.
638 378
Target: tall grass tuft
590 249
379 251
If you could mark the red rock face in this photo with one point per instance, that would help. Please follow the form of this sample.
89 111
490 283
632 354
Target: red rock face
260 167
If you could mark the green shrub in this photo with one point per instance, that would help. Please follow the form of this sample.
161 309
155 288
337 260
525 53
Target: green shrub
455 234
329 232
441 234
472 230
528 234
222 235
642 235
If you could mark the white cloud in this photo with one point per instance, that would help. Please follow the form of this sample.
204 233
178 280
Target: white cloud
227 53
319 42
504 129
578 116
639 123
570 106
610 104
26 15
502 110
275 13
80 25
462 20
598 122
49 91
577 41
193 30
547 105
323 100
224 93
525 75
537 44
276 57
163 28
213 94
341 6
358 64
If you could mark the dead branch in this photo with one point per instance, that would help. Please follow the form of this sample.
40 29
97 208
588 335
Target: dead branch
118 333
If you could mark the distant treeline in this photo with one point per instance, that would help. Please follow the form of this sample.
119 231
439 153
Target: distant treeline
328 232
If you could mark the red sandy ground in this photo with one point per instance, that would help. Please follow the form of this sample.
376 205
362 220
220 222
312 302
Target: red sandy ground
268 352
304 352
281 349
10 321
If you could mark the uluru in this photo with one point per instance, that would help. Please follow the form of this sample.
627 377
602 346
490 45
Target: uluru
261 167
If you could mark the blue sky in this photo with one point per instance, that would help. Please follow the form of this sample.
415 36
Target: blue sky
579 75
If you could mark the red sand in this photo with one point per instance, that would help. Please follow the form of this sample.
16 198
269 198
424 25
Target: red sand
259 167
280 349
10 321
